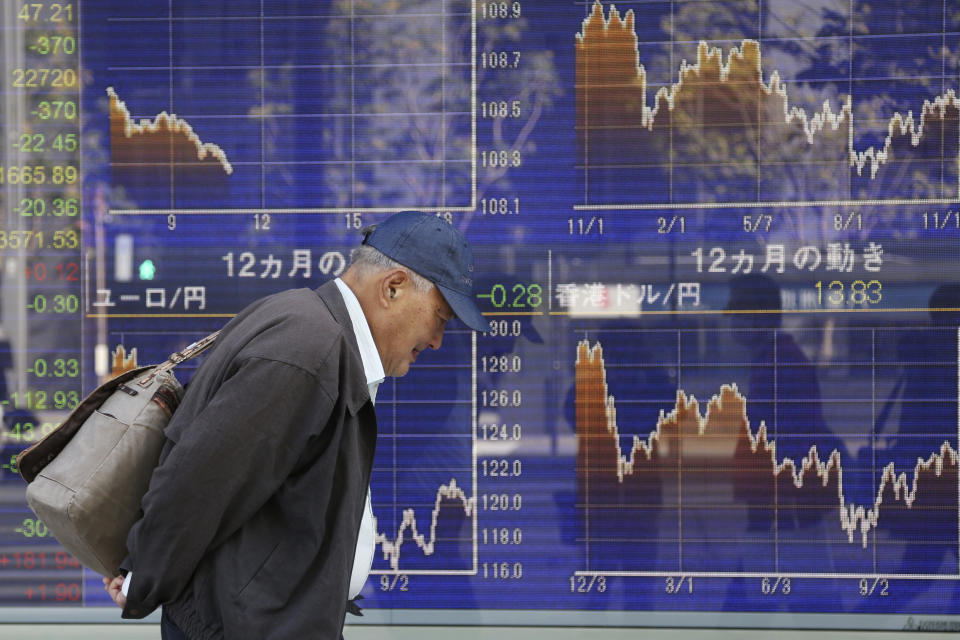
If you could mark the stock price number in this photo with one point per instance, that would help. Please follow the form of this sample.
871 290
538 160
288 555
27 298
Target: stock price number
500 158
41 401
502 536
29 431
856 293
500 206
54 45
38 143
60 592
33 528
501 432
30 560
500 59
44 77
501 501
501 397
514 296
38 174
32 12
29 239
505 328
500 10
500 109
38 207
64 272
56 368
60 303
502 570
55 110
501 468
501 364
11 465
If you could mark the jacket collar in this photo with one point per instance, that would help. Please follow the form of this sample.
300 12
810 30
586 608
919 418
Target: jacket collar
355 395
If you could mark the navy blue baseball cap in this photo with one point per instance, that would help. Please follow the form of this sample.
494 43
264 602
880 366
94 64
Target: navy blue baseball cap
437 251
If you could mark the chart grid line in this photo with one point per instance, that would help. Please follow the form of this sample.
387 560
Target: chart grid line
762 574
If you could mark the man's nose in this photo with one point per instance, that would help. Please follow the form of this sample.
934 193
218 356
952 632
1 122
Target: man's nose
436 339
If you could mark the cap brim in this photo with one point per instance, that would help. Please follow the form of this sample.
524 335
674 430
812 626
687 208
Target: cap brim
465 309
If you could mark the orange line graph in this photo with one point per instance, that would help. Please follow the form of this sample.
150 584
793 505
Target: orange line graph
165 140
754 463
719 111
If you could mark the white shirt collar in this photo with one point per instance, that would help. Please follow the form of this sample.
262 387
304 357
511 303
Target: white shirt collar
372 365
373 369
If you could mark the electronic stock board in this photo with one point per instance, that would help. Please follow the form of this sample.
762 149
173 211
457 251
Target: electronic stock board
717 242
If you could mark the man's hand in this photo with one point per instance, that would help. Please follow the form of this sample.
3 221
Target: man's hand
114 587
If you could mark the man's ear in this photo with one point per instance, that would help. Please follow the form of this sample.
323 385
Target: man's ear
393 284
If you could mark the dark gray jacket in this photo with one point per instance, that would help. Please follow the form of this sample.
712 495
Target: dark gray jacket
250 523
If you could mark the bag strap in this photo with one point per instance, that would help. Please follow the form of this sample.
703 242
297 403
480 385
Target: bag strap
177 357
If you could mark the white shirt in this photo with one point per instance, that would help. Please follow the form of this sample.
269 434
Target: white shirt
373 370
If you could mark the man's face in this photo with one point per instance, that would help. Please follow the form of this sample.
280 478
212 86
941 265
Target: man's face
419 320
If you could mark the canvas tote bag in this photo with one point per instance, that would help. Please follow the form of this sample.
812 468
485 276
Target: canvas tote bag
86 478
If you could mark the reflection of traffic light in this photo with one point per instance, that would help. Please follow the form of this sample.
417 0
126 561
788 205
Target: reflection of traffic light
147 269
125 258
15 420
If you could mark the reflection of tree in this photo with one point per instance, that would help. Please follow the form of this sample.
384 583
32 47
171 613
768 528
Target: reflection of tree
277 83
407 98
721 22
808 42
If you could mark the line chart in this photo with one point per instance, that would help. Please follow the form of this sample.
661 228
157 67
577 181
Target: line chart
721 499
424 483
449 497
721 135
383 135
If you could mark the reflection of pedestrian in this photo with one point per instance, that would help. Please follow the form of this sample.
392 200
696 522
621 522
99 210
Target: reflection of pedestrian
783 392
257 522
926 393
928 358
20 426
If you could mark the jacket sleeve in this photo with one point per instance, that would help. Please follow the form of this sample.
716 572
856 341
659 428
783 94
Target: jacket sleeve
236 453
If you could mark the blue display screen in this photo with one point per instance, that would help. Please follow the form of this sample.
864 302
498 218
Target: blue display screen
716 240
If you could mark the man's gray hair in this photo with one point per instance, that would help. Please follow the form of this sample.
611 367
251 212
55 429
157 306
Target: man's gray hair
370 261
